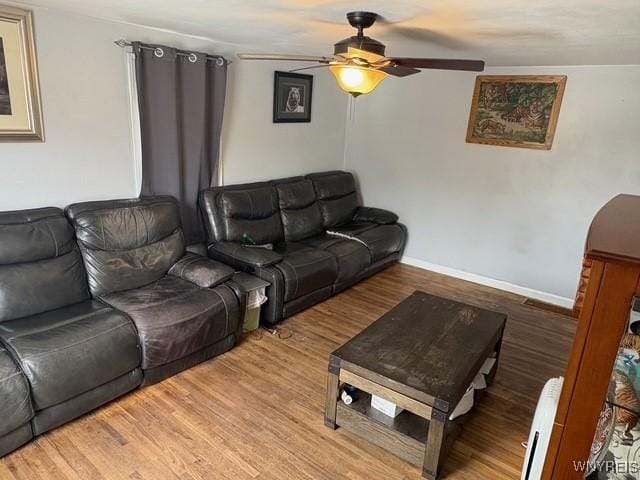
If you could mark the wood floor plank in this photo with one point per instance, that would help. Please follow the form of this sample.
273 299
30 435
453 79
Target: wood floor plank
257 412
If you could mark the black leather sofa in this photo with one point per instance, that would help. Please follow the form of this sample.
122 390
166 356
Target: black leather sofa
320 240
84 322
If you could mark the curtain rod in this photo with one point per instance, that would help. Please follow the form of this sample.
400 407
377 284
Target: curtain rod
220 60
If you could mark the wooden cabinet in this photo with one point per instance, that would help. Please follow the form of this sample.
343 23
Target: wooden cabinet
610 280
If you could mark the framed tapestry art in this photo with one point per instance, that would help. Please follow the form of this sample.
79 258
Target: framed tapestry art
20 111
515 111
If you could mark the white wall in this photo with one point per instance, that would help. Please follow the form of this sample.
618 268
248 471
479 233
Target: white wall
516 215
254 148
87 153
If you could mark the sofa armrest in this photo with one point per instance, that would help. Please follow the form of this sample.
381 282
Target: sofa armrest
375 215
200 270
243 257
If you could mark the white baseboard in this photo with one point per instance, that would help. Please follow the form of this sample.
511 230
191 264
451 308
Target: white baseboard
490 282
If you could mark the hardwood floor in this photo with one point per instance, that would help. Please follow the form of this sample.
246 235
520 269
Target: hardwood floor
257 412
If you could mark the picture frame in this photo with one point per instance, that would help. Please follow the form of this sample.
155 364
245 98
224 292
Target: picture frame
515 110
20 104
292 97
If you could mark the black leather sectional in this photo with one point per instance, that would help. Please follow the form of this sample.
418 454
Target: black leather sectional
319 239
87 316
104 297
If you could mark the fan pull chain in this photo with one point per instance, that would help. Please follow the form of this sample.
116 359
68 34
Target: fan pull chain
352 109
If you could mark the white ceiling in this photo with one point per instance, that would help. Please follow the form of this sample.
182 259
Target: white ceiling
501 32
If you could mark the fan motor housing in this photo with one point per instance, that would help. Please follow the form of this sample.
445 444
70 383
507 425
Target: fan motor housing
360 42
360 20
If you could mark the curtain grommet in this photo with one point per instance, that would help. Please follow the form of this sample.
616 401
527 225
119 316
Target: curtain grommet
158 52
220 61
193 58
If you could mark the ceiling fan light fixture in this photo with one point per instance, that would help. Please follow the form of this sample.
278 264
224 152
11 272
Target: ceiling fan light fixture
357 80
360 64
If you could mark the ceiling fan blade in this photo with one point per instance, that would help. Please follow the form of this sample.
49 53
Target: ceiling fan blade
439 63
421 34
284 57
308 68
399 71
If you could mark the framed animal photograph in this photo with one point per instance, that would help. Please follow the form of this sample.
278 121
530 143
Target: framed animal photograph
20 110
515 111
292 97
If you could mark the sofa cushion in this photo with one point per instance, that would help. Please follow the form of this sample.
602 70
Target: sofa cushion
210 204
175 318
127 243
252 213
40 265
378 216
352 257
117 225
32 235
299 210
337 197
305 269
15 398
71 350
383 240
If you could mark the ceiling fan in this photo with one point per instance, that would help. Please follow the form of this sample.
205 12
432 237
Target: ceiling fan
359 62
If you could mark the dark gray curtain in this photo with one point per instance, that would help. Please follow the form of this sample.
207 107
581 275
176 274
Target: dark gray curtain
181 101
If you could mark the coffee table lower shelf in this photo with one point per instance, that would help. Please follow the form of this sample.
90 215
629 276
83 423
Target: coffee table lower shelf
405 435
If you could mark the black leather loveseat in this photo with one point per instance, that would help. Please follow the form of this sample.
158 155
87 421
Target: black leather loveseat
319 239
88 318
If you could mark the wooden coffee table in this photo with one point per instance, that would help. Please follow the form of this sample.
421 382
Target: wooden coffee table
422 355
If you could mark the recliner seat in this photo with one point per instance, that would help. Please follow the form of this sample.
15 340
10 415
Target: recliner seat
304 221
75 353
305 270
183 306
376 228
352 257
312 237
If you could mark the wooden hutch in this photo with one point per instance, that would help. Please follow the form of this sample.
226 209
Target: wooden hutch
610 280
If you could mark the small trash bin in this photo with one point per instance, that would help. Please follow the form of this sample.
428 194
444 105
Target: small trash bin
255 288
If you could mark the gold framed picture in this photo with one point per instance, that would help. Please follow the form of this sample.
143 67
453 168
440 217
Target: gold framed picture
20 109
515 110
